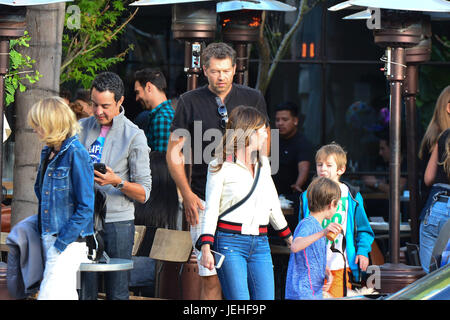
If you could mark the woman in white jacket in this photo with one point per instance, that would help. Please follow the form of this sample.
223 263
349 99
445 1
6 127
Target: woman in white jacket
241 235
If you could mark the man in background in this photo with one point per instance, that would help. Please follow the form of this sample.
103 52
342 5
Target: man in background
208 106
295 151
114 140
149 87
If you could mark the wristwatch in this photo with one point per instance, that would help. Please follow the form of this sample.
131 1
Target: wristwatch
119 186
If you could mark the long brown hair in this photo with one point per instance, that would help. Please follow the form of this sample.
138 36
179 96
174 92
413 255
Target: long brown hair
439 123
242 122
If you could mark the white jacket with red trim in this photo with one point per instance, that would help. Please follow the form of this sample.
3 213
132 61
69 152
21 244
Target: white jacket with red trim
228 186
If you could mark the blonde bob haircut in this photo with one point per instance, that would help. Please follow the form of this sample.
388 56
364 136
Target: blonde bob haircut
54 119
335 150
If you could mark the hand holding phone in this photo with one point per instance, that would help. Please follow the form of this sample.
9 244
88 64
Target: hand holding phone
100 167
218 259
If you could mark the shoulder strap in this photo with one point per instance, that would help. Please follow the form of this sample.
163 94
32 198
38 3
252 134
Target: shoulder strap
344 245
237 204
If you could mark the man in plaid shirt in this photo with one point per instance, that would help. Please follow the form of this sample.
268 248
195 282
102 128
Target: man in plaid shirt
149 87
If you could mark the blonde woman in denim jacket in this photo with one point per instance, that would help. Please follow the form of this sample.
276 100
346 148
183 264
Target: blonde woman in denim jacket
65 189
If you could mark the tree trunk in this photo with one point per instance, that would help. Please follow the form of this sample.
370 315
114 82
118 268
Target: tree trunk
266 68
45 26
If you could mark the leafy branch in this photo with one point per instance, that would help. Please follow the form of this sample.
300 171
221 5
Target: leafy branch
269 44
83 48
21 67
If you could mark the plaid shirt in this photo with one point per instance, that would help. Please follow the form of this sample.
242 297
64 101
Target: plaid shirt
158 130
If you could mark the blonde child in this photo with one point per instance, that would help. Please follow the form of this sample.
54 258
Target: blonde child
331 162
307 262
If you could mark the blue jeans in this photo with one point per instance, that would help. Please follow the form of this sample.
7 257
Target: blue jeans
119 239
247 271
434 220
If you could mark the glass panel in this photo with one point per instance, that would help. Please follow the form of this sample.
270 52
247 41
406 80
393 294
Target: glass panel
307 40
355 98
349 39
298 83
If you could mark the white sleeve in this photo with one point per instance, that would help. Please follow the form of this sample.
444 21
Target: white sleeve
213 194
276 217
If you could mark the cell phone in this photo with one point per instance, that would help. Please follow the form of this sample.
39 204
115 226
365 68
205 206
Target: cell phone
100 167
218 258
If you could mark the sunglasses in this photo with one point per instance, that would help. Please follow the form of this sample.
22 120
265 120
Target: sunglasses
222 109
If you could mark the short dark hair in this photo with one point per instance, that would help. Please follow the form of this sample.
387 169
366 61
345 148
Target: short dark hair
152 75
83 95
218 50
64 93
289 106
109 81
321 192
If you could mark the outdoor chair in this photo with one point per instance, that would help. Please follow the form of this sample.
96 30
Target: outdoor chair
170 246
139 234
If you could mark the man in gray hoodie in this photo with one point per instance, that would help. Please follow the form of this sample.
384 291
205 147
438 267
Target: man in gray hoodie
114 140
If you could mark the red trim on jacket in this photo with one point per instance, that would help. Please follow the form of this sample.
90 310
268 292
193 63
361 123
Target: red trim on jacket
284 233
237 228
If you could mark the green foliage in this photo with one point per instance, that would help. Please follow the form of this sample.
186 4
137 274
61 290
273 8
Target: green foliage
20 67
83 47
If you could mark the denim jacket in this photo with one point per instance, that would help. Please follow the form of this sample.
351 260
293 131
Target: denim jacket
66 195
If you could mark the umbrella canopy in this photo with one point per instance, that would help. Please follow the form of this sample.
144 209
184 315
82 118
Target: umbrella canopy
30 2
270 5
408 5
161 2
225 6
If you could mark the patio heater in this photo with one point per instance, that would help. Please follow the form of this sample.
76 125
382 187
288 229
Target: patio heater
193 22
240 22
240 28
12 26
400 29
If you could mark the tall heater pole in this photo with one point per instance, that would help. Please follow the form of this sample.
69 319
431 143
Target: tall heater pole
395 83
399 31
